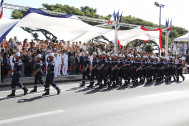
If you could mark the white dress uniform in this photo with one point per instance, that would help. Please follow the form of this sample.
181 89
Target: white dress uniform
56 66
65 65
11 63
46 62
174 48
178 48
59 62
185 48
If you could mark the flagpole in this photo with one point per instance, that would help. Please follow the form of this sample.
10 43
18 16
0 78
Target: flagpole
166 43
115 40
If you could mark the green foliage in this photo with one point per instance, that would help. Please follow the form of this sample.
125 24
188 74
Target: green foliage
148 49
92 12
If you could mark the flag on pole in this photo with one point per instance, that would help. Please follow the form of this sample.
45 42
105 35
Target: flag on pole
169 27
117 27
114 15
120 18
1 8
112 19
117 16
119 43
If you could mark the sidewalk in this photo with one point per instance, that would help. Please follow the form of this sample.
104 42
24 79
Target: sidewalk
30 80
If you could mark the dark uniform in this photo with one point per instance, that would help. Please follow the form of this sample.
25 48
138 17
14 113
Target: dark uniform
16 78
144 64
137 72
121 71
94 72
180 66
115 73
50 78
102 72
85 72
150 71
128 75
38 76
160 66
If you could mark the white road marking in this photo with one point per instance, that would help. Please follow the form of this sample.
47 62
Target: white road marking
30 116
166 96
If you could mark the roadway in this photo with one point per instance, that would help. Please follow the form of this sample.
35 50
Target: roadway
162 105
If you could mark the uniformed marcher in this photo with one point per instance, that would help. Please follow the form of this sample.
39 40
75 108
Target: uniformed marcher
149 70
94 70
16 75
115 71
137 73
102 71
50 76
86 69
160 66
38 72
180 66
121 69
128 74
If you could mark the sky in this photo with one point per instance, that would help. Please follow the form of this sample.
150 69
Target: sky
177 10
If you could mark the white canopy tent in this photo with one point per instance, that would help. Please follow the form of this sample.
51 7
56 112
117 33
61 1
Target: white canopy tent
71 28
183 38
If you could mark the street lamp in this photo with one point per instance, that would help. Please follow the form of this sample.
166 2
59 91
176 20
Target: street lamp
160 6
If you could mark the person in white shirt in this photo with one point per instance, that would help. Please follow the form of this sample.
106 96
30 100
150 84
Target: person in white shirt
56 65
46 59
59 55
65 63
178 48
11 61
185 48
174 48
19 46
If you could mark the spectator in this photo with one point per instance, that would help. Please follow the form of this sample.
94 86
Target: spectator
72 64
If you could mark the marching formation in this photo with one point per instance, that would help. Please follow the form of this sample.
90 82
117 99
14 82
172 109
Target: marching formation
112 70
37 72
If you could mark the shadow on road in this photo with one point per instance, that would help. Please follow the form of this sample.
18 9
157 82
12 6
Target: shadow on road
34 98
6 98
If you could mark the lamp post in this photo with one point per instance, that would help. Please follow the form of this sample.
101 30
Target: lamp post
160 6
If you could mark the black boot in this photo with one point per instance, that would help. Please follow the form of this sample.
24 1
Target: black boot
34 90
25 90
183 78
83 84
114 84
46 93
91 84
177 79
12 94
126 83
58 90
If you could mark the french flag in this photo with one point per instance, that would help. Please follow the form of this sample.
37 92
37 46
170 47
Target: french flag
168 26
1 8
112 19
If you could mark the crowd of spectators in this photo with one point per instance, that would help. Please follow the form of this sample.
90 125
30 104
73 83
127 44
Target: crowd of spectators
69 55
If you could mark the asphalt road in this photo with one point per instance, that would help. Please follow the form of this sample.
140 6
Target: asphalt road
162 105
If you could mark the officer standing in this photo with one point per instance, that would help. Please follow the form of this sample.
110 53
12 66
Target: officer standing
16 75
38 72
94 71
50 76
86 68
